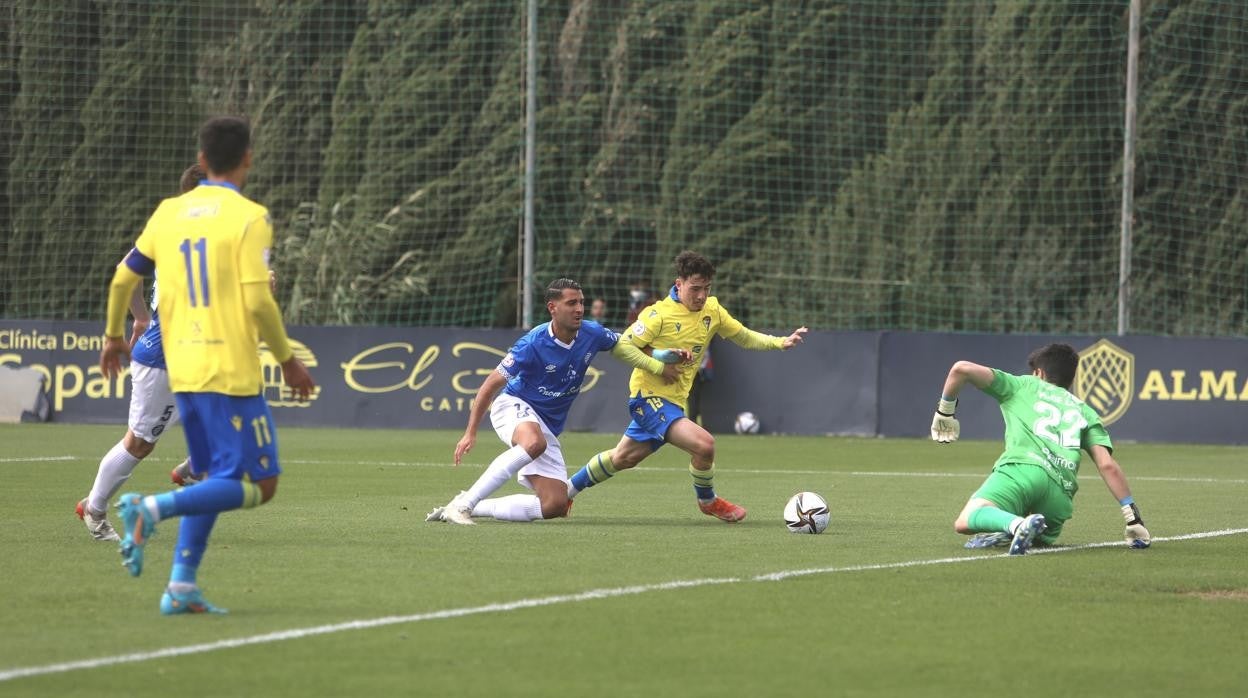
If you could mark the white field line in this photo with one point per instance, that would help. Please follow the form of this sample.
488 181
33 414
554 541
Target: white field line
721 469
503 607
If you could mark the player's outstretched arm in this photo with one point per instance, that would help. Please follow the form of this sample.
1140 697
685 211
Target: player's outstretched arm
757 341
945 427
794 339
1135 534
268 319
480 404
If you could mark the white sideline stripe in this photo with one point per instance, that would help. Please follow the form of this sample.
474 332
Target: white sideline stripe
592 594
745 471
776 576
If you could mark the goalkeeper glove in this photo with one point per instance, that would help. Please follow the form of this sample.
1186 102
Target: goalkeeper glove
945 429
1137 536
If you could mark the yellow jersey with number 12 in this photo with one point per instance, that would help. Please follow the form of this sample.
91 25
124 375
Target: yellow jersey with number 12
670 325
206 244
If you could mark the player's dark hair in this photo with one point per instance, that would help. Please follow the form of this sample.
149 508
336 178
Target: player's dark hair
1058 361
556 288
224 141
691 263
191 177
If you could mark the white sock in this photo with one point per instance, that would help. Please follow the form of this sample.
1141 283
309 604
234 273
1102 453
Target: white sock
115 469
503 468
1018 521
514 507
152 509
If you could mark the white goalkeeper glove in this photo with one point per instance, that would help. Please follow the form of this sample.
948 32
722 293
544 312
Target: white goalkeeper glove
1137 536
945 429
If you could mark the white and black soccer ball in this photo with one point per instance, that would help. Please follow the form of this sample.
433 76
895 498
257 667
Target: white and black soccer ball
746 423
806 512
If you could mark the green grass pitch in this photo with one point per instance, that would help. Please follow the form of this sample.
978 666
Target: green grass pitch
339 587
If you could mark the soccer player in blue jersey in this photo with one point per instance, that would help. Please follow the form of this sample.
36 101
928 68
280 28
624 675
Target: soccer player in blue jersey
152 407
685 321
1030 493
538 379
211 247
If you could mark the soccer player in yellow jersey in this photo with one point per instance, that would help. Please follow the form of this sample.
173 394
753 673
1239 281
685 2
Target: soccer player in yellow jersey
211 246
681 324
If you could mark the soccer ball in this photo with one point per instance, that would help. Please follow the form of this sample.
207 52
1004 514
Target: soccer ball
746 423
806 512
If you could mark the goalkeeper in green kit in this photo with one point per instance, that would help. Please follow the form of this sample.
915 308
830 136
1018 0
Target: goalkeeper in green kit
1030 493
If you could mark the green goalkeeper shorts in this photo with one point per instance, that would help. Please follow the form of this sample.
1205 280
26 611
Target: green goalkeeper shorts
1023 489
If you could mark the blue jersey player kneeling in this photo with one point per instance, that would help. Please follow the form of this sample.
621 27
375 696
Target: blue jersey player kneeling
538 379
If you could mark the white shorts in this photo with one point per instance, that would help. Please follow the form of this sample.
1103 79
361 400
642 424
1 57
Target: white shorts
151 402
509 411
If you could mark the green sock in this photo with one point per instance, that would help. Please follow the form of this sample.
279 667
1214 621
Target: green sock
988 519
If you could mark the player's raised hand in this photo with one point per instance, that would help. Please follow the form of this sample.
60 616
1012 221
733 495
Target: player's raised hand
793 339
114 349
297 378
465 445
945 427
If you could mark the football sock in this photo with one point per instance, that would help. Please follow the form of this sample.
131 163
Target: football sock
115 469
501 469
703 482
514 507
599 469
193 532
208 497
988 519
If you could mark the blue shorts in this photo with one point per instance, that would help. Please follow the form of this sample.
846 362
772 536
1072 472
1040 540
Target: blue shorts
230 437
652 417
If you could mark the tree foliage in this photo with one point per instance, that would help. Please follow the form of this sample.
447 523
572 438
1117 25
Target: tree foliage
908 164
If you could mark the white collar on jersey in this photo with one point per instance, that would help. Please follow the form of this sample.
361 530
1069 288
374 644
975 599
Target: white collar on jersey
550 330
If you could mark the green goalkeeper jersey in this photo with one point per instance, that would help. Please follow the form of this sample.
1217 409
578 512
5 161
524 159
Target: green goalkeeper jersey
1045 425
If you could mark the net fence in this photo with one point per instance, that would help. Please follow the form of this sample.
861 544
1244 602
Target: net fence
888 164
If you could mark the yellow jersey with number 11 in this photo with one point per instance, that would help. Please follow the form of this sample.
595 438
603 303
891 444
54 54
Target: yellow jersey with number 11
206 244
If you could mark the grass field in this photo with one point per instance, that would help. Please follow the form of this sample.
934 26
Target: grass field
338 587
